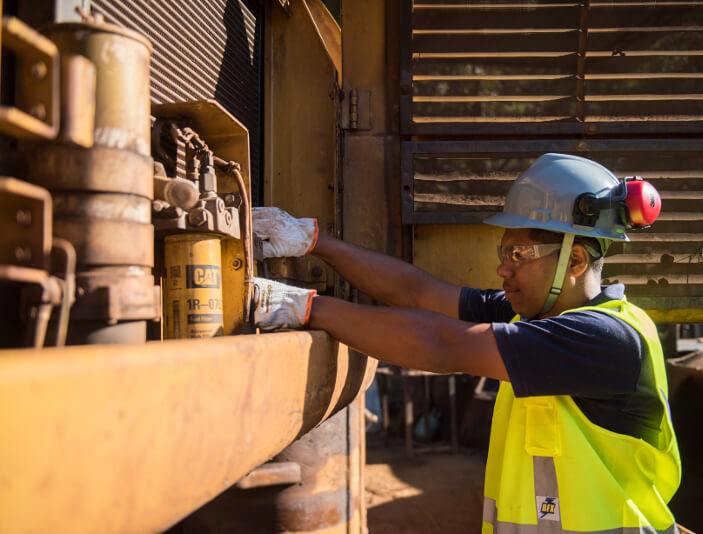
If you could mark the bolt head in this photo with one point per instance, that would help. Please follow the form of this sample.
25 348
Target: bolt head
38 70
23 217
197 217
38 111
23 254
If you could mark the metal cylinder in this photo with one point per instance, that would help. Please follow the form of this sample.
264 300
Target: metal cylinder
193 286
327 500
121 58
102 192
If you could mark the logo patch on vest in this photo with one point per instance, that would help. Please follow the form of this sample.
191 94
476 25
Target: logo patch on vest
548 508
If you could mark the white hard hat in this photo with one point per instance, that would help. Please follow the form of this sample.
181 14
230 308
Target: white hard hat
570 195
545 196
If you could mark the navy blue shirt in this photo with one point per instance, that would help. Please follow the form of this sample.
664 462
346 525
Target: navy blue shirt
592 356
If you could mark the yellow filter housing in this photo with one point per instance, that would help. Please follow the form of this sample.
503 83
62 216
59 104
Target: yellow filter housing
193 286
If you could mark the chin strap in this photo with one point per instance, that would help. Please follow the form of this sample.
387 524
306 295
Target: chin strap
558 282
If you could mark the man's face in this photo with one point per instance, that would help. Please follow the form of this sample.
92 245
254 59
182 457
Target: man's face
526 284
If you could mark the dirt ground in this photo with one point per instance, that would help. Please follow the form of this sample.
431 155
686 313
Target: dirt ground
430 493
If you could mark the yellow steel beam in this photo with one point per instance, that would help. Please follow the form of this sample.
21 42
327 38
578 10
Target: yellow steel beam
133 438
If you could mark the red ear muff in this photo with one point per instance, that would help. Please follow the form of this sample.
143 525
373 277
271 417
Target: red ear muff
643 203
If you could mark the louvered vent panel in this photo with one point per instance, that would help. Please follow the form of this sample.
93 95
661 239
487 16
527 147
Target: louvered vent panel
203 49
618 81
465 181
552 67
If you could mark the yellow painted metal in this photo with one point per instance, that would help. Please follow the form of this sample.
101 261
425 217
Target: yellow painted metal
36 115
370 167
229 139
117 439
461 254
329 31
193 286
300 115
672 316
366 60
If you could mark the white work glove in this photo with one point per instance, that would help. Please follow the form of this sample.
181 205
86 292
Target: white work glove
278 305
283 235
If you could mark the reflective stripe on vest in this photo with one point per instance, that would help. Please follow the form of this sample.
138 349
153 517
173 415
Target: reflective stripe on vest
608 482
500 527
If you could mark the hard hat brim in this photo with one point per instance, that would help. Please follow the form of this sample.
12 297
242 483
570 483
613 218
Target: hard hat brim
509 220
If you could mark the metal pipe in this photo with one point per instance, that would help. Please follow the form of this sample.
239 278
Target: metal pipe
93 414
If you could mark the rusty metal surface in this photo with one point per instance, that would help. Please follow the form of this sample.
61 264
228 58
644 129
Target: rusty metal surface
26 235
509 68
271 474
100 242
37 113
326 500
121 59
94 169
307 271
113 294
96 438
102 194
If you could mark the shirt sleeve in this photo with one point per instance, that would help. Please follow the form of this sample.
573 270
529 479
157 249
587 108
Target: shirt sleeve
587 354
484 306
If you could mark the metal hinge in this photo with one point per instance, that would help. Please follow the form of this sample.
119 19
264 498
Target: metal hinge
359 110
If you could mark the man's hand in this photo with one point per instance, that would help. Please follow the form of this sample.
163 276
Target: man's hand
283 235
279 305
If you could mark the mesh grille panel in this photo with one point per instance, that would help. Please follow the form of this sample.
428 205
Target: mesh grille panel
203 49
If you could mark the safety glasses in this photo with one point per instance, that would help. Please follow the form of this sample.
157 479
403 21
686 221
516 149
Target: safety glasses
520 254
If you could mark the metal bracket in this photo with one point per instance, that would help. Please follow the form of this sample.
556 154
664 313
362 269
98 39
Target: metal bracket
26 242
37 113
272 474
308 271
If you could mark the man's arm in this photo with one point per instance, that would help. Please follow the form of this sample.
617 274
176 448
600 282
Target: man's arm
388 279
418 339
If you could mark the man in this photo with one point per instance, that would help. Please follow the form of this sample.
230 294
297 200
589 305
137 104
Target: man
581 438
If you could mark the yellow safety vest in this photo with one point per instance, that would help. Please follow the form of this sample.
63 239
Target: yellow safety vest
551 470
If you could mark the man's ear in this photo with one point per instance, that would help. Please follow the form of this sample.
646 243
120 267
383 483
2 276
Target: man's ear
578 260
